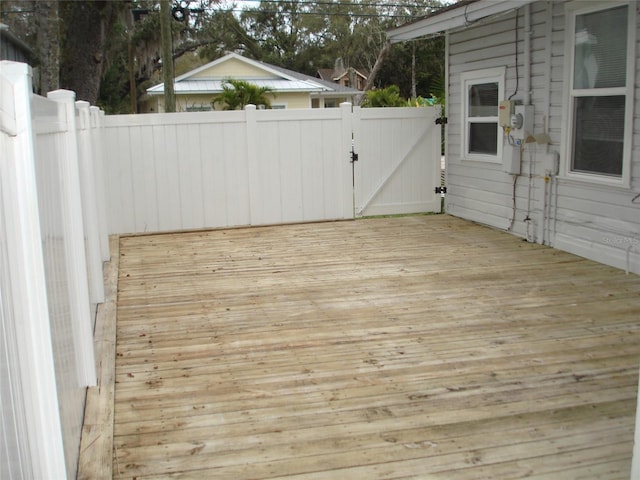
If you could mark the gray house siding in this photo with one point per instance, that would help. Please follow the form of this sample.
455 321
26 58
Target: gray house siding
12 48
591 220
478 190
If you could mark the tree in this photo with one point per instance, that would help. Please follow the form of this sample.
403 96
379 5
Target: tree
109 56
167 56
48 42
237 94
85 26
429 67
384 97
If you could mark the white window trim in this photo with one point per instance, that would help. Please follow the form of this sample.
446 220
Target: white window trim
498 75
573 9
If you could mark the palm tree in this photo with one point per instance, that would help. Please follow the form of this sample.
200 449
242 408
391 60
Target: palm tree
236 94
384 97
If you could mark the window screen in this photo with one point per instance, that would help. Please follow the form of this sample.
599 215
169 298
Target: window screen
483 111
598 94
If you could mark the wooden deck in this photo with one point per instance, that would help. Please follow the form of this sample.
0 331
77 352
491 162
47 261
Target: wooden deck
421 347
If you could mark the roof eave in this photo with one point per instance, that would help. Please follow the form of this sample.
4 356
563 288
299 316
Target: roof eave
465 14
217 92
6 32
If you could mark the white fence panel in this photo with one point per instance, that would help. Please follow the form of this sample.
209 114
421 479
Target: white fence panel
98 145
32 429
46 340
61 221
399 160
168 172
300 170
89 203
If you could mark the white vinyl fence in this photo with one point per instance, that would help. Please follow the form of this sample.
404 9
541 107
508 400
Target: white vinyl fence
177 171
51 253
399 160
70 175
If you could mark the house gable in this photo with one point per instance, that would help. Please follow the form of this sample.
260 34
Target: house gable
233 67
195 89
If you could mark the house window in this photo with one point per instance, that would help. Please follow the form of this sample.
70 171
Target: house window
199 108
481 94
600 92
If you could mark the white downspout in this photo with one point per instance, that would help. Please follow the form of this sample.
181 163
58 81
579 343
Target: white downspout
446 102
635 462
527 55
526 100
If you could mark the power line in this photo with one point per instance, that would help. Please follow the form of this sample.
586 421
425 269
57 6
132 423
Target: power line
348 4
329 14
318 3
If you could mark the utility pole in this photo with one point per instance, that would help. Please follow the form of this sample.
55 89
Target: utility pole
131 61
167 56
414 91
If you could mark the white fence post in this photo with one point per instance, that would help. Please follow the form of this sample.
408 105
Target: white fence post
97 134
26 289
349 125
74 247
88 191
256 207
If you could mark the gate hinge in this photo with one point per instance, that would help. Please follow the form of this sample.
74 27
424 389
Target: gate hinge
441 190
354 156
442 121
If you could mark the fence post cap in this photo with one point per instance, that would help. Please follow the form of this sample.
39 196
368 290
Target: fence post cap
11 69
62 95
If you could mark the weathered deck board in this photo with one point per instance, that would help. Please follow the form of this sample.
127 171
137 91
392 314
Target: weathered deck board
413 347
96 445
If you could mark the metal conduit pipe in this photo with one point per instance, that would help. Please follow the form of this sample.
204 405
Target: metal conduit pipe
527 55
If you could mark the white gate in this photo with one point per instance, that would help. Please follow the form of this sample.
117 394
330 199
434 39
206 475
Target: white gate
183 171
398 163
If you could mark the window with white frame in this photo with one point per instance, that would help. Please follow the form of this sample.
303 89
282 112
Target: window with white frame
482 91
600 42
199 108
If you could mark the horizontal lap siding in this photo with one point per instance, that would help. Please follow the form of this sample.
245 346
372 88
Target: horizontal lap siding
481 191
590 220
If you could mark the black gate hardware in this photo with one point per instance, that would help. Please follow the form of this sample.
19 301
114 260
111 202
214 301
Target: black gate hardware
354 156
441 190
442 121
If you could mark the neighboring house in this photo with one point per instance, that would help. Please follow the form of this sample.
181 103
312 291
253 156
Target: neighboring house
12 48
569 176
196 89
345 76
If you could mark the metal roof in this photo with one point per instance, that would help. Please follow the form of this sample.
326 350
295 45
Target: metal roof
204 85
329 86
282 81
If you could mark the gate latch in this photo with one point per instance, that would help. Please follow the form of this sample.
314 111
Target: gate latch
354 155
